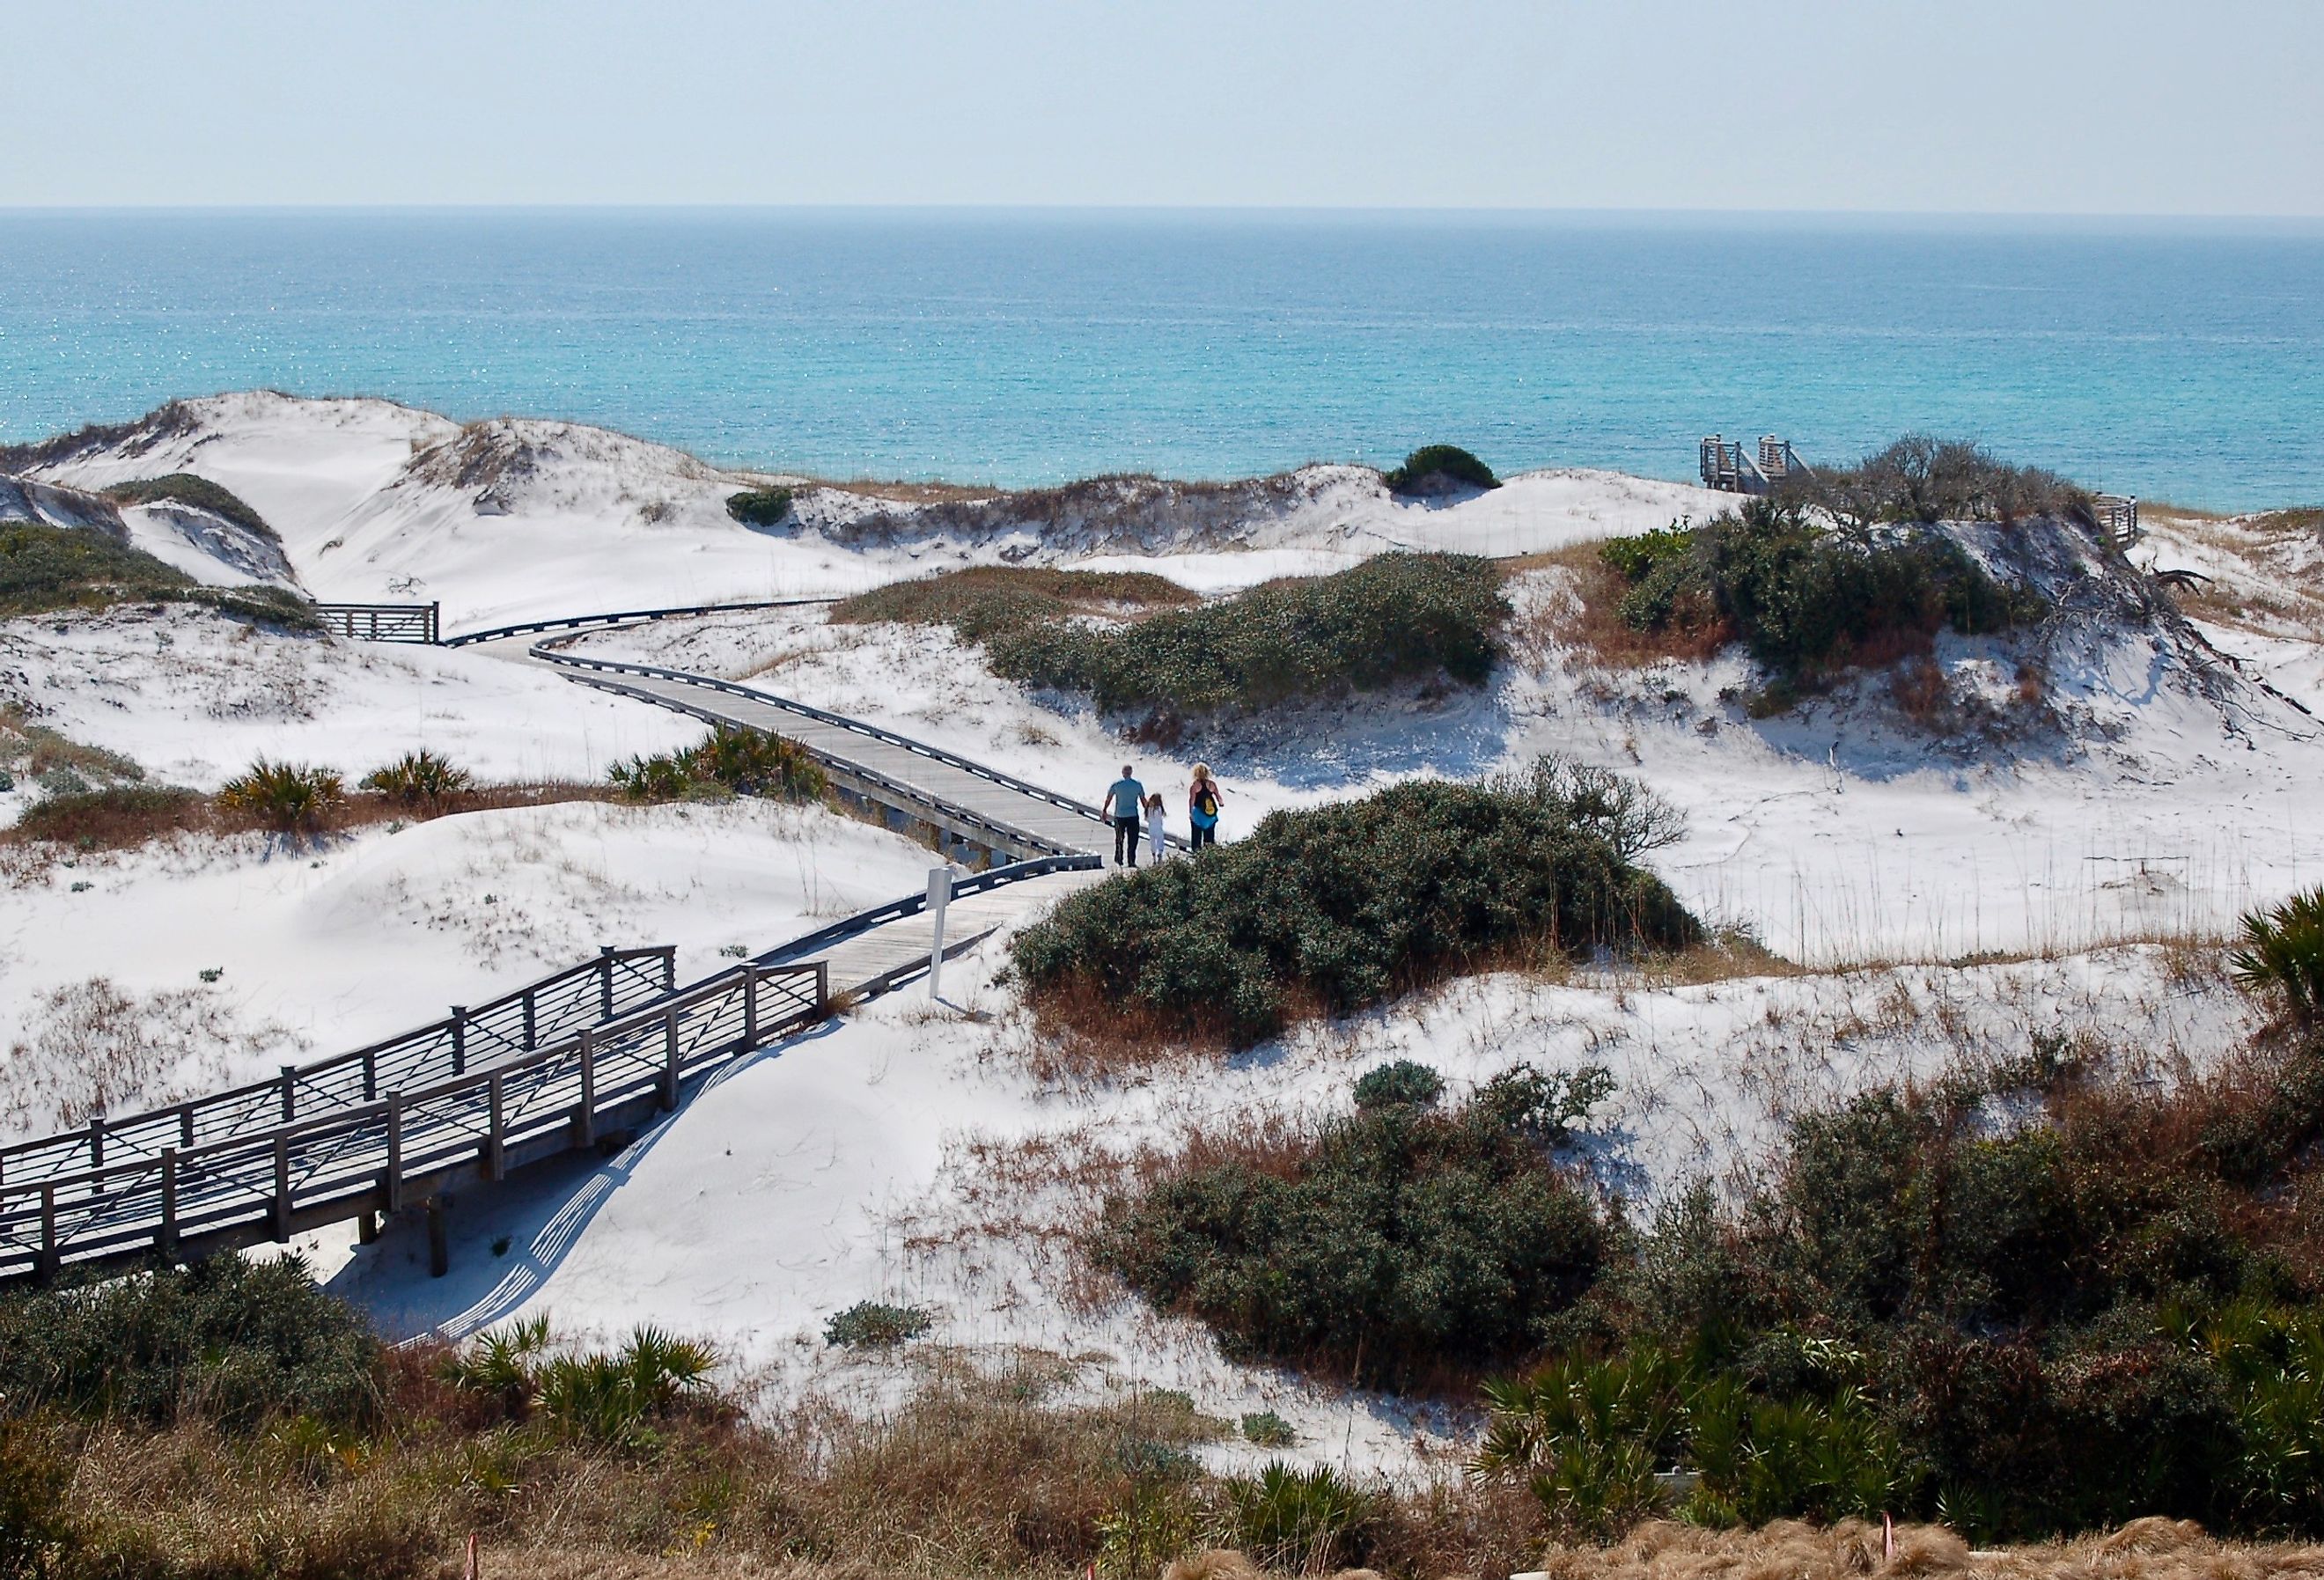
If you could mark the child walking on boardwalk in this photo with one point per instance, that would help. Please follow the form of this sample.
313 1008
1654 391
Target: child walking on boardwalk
1157 826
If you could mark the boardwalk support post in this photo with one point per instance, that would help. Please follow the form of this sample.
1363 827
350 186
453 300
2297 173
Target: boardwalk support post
290 1093
165 1239
585 1117
46 1267
390 1185
495 1147
367 1227
668 1058
604 982
281 1189
459 1039
749 1007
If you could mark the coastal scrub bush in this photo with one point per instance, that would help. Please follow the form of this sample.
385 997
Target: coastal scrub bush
1330 908
874 1325
1268 1429
1434 465
418 779
1394 618
228 1340
1396 1240
117 815
287 797
2283 954
985 601
759 507
185 488
45 568
732 762
1405 1082
1922 479
1807 601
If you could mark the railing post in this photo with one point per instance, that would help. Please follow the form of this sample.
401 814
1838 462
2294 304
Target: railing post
584 1117
669 1059
749 1007
495 1147
822 989
186 1125
459 1039
532 1014
281 1189
391 1187
670 969
96 1140
290 1093
435 621
167 1239
46 1267
604 982
371 1075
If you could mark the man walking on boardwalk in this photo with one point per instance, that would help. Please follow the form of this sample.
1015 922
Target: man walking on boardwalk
1126 802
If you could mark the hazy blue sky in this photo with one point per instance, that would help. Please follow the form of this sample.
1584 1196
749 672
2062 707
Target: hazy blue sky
2042 105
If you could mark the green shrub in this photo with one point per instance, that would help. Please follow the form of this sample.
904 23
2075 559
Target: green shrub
1808 602
759 507
45 568
732 762
1404 1083
1393 619
1298 1521
421 778
1438 461
874 1325
225 1340
185 488
2283 954
1399 1238
1267 1430
1337 906
986 601
284 796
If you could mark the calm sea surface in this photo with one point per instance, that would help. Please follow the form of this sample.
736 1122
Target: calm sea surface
2184 364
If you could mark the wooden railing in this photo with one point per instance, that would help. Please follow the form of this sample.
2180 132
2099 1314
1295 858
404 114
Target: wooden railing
417 622
375 1155
538 1013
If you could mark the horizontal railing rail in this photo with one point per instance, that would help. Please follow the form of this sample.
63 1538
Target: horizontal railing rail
584 621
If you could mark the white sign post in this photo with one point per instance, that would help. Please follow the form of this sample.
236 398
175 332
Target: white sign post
939 891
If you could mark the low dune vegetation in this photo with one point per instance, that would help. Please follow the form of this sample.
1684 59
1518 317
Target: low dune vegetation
1399 1241
759 507
1439 468
233 1422
730 762
1146 649
45 569
301 801
984 602
1329 909
2030 1298
185 488
1808 601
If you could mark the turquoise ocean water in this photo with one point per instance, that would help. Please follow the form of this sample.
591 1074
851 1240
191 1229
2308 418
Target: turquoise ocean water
2182 363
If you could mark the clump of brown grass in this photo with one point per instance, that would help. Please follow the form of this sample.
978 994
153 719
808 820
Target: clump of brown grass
2151 1548
1591 621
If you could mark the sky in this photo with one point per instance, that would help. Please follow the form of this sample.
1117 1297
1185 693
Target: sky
1990 106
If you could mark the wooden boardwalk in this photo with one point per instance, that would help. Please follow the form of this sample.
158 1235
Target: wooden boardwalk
977 804
566 1063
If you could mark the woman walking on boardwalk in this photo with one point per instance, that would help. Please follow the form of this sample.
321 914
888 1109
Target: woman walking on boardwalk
1202 806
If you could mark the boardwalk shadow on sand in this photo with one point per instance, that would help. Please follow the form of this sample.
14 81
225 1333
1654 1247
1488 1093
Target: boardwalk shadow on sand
537 1217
